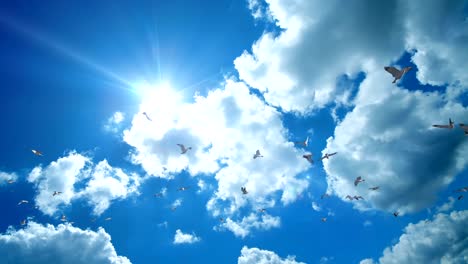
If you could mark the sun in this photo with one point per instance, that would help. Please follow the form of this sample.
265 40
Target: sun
156 97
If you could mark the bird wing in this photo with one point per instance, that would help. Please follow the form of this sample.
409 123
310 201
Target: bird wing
332 154
393 71
441 126
182 147
257 152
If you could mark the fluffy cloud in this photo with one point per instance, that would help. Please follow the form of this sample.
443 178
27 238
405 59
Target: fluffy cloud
388 139
299 69
248 223
5 177
224 129
446 206
442 240
259 256
181 238
102 183
37 243
114 122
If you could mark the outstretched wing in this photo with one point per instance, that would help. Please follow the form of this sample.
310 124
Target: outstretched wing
441 126
393 71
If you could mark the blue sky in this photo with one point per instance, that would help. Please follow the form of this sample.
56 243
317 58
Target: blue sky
228 78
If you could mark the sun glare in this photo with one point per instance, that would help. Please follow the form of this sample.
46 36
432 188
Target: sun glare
161 95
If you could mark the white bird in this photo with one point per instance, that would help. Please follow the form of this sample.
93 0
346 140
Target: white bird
463 189
358 180
465 128
327 155
23 201
36 152
183 149
108 219
374 188
11 181
183 188
349 197
324 219
56 193
308 157
396 73
449 126
257 154
304 143
147 117
63 218
244 190
23 222
262 210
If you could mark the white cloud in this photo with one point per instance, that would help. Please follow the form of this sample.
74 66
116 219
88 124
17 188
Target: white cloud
37 244
442 240
367 223
181 238
388 139
259 256
224 129
316 207
102 183
324 260
248 223
5 177
114 122
298 70
260 10
446 206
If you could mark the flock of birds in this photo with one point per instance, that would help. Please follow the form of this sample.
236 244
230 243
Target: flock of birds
396 73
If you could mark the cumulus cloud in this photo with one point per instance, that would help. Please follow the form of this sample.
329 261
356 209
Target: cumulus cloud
259 256
260 10
114 122
77 177
181 238
388 139
38 243
447 206
299 69
5 177
442 240
248 223
224 129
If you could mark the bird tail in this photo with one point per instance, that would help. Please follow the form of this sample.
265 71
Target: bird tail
394 81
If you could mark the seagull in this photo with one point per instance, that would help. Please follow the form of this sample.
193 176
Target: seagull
183 188
56 193
158 195
358 180
257 154
449 126
349 197
303 143
23 222
23 201
358 197
244 190
36 152
262 210
374 188
325 195
460 197
108 219
324 219
147 117
11 181
327 156
465 128
463 189
396 73
396 213
173 208
308 157
221 220
183 149
63 218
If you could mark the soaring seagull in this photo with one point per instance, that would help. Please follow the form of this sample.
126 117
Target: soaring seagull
358 180
304 143
56 193
183 149
449 126
257 154
147 117
308 157
396 73
244 190
328 155
36 152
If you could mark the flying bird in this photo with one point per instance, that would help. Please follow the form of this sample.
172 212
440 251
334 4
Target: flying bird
56 193
63 218
23 201
108 219
349 197
449 126
183 149
257 154
374 188
396 73
328 155
308 157
358 197
463 189
11 181
23 222
325 195
147 117
358 180
244 190
396 213
183 188
262 210
324 219
36 152
465 128
304 143
460 197
158 195
221 220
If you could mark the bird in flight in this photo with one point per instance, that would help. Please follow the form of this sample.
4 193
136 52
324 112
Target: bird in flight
10 181
324 219
328 155
396 73
304 143
183 149
349 197
147 117
358 180
244 190
23 222
262 210
158 195
463 189
23 201
221 220
358 197
37 152
449 126
460 197
374 188
308 157
465 128
257 154
325 195
396 213
183 188
56 193
63 218
108 219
